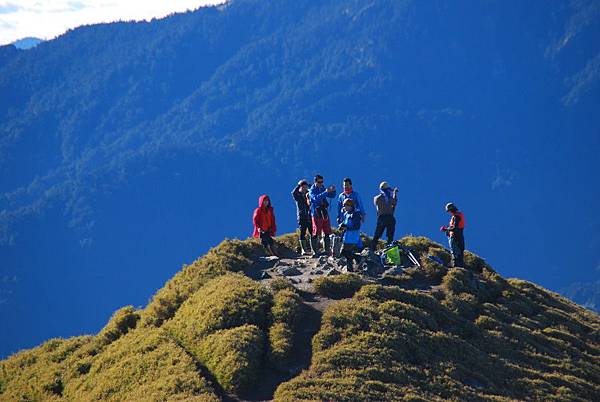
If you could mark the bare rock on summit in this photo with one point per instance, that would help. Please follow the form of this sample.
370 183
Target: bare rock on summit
287 270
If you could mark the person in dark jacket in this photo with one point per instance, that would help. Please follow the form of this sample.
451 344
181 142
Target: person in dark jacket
351 227
319 210
456 238
349 193
385 203
300 195
264 224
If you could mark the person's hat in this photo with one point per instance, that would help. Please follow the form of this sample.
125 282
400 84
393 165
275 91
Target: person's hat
348 201
303 182
384 185
451 207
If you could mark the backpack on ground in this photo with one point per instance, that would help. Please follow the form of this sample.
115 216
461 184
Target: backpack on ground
392 256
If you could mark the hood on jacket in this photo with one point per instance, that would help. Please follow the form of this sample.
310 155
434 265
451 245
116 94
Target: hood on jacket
262 199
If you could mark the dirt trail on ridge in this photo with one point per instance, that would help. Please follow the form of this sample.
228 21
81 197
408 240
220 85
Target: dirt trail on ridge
301 271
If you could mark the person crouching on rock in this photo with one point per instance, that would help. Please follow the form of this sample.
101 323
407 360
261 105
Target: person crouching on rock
264 224
351 227
317 196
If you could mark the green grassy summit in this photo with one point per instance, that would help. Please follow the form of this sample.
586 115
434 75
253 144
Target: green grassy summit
213 333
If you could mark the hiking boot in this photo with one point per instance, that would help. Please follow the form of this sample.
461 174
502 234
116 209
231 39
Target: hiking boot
272 250
349 265
314 246
304 247
327 244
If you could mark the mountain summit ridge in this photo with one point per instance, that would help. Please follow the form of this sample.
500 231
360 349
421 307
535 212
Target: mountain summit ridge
212 333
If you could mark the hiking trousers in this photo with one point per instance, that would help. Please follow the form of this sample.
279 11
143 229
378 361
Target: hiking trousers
305 226
266 239
387 223
320 225
348 251
457 247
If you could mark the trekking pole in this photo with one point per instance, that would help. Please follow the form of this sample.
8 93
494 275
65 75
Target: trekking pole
436 259
410 255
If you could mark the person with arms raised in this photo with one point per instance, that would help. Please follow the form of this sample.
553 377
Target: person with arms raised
299 194
385 203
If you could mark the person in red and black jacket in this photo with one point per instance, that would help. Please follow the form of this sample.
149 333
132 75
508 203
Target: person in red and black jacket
264 224
456 238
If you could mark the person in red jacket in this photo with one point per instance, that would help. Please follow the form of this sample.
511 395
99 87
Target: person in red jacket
264 224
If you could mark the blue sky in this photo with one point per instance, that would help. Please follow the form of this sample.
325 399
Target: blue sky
47 19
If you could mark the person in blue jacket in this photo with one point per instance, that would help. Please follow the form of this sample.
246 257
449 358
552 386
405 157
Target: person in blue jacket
349 193
351 227
319 211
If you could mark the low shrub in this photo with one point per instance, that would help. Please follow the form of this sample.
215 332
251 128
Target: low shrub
440 253
287 307
279 284
488 323
288 243
229 256
379 293
281 344
287 313
459 280
233 356
167 300
225 302
475 263
342 320
430 270
145 364
421 245
121 322
464 305
338 286
223 326
41 373
415 298
243 251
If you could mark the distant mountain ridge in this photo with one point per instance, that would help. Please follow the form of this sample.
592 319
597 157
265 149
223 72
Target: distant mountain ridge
27 43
